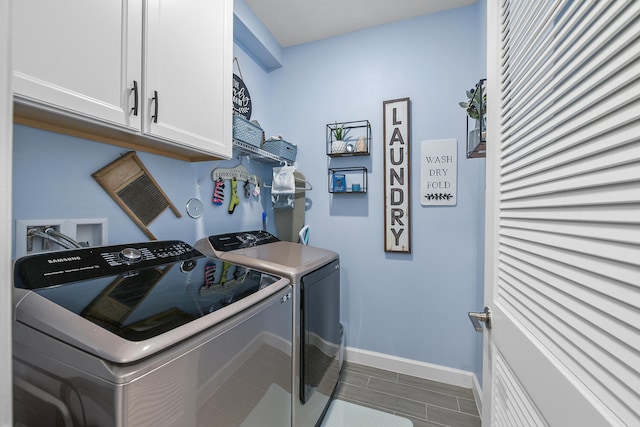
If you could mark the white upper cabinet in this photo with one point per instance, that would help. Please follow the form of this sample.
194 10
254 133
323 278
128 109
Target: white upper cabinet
153 73
187 67
78 56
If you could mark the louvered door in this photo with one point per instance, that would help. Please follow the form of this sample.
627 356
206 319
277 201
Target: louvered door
563 214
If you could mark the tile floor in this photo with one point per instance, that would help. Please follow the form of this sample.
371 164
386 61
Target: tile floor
426 403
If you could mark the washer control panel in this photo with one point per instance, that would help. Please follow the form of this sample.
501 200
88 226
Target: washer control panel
133 254
54 268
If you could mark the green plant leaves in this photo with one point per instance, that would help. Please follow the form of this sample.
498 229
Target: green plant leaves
473 106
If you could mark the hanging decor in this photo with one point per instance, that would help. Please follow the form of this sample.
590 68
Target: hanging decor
439 173
235 174
132 187
241 97
397 176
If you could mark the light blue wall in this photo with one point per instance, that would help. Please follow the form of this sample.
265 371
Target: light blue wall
413 306
257 82
52 180
253 37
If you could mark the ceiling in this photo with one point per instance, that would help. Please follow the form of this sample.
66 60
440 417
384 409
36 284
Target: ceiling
294 22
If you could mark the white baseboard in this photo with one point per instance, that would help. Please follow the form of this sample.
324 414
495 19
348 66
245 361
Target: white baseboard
418 369
477 393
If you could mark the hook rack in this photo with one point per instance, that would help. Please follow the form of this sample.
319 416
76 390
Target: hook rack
238 172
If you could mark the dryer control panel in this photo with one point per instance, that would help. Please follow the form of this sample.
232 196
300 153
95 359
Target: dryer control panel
245 239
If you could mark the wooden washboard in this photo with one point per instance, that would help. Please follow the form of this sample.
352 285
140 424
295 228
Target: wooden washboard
132 187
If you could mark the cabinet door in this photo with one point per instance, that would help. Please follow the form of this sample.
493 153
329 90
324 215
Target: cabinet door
78 56
188 61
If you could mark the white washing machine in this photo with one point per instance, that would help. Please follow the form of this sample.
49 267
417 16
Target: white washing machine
149 334
318 337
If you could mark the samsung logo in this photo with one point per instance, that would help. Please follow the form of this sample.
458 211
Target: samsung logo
67 259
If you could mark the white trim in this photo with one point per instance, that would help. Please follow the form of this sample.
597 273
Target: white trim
491 223
428 371
6 177
477 393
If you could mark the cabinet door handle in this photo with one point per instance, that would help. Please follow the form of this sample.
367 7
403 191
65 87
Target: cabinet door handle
155 111
135 98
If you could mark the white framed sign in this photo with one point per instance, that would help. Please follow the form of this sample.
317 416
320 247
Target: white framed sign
439 173
397 176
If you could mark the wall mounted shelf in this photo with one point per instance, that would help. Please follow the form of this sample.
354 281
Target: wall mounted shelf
356 140
348 180
477 137
258 154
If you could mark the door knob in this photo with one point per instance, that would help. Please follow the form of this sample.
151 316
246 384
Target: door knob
476 318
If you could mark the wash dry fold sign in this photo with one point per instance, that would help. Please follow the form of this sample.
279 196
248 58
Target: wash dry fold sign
397 219
439 173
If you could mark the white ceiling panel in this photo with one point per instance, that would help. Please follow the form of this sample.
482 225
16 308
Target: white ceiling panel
294 22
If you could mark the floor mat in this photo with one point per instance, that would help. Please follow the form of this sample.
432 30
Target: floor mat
345 414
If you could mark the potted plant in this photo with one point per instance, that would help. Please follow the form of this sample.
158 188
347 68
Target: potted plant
476 108
474 104
338 145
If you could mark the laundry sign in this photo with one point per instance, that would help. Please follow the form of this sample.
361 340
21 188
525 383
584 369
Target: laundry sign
439 173
397 195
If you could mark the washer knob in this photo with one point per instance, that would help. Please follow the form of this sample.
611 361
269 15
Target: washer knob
130 255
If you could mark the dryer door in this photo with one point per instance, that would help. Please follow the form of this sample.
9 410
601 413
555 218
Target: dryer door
321 330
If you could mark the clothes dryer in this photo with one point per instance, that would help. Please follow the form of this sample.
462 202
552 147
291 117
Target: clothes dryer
318 336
